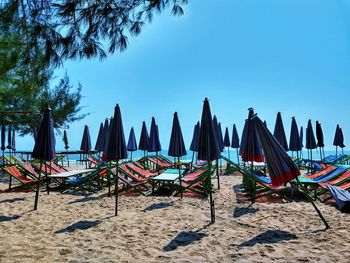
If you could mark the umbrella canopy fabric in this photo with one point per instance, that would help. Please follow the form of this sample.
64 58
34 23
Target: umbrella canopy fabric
294 141
132 145
208 149
341 140
337 139
104 139
154 143
3 138
310 137
319 135
235 138
227 142
9 138
220 138
86 140
251 150
116 147
177 145
13 141
44 148
195 138
144 138
98 145
65 140
281 167
301 134
279 132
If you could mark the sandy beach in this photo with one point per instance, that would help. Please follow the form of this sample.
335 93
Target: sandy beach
81 228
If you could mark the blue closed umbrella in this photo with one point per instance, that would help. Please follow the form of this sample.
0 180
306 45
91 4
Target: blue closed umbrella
337 139
294 140
85 145
132 145
44 148
208 149
227 142
66 144
250 149
310 139
98 144
342 145
144 139
13 141
154 143
235 141
3 138
195 141
220 138
279 132
177 145
320 139
104 139
116 147
217 138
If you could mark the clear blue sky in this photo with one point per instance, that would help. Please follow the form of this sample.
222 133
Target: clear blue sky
291 56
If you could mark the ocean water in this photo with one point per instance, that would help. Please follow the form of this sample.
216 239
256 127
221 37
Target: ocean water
232 154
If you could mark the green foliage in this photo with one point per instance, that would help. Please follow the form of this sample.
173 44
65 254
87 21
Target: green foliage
64 29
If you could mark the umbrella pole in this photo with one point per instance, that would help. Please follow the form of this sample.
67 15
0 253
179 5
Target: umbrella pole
192 160
67 157
237 156
109 178
178 166
211 201
298 161
38 188
131 156
313 204
336 151
116 188
228 151
324 157
320 153
47 178
157 162
217 172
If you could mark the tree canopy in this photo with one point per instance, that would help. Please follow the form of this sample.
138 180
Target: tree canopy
71 29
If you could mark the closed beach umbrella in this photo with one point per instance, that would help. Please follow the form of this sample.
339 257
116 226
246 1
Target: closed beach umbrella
104 139
227 142
13 141
216 134
154 143
235 141
3 139
44 148
66 144
195 141
301 134
144 139
251 150
310 139
320 139
208 149
220 138
342 145
337 139
281 168
9 138
132 145
294 140
177 145
98 144
86 140
116 148
85 145
279 132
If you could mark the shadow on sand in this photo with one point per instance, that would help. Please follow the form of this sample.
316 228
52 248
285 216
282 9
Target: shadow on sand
157 206
240 211
9 218
269 237
81 225
12 200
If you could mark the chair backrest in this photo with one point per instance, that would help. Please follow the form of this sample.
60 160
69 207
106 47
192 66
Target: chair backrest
17 173
139 170
27 166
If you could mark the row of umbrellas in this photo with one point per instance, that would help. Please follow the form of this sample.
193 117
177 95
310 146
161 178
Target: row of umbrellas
257 144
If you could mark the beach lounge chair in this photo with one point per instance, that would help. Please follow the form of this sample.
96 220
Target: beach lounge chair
342 198
130 181
196 181
24 181
139 171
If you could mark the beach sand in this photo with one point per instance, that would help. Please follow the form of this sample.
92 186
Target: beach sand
78 228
